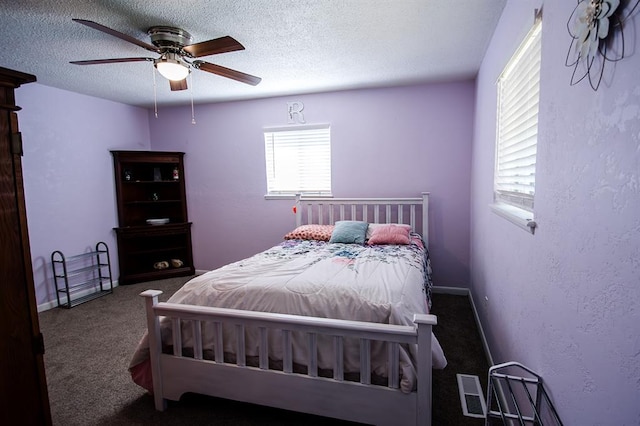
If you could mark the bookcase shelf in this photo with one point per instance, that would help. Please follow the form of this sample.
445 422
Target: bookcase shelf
150 185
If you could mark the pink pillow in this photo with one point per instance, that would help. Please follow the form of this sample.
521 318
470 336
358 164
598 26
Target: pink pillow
373 226
390 234
311 232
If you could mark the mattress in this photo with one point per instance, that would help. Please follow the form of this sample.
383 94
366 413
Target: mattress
372 283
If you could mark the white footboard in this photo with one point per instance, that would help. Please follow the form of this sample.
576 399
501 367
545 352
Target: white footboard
174 374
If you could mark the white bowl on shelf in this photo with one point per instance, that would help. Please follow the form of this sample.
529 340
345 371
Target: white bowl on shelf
158 221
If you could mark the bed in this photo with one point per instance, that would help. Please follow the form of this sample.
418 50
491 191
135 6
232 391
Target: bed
335 317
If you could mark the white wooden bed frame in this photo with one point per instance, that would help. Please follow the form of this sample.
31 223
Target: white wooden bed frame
334 397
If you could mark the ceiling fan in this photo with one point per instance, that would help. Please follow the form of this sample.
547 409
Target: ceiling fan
177 54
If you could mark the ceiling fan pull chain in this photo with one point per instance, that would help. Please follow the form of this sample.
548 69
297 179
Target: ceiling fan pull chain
193 114
155 94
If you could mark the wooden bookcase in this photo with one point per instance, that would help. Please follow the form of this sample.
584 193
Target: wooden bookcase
150 188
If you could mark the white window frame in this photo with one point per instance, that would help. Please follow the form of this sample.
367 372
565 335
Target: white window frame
309 165
517 132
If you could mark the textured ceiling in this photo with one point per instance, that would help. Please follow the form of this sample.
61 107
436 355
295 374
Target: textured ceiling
295 46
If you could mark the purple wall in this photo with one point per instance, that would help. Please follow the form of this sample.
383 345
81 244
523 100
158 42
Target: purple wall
68 172
565 300
385 142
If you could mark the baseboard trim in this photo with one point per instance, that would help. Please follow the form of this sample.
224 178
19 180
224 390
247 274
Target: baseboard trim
47 305
461 291
485 344
458 291
54 303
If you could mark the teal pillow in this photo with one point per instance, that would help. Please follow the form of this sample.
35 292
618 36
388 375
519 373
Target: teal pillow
349 232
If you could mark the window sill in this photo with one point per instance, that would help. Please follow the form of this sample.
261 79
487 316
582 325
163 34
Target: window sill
293 196
279 197
519 217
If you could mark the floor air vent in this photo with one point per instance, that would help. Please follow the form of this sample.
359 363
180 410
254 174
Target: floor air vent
471 396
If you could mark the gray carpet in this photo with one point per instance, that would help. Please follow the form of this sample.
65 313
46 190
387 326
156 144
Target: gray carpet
88 349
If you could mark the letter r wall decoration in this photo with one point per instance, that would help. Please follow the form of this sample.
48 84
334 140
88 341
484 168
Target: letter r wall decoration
295 112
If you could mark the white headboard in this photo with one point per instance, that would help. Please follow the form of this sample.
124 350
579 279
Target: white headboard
326 211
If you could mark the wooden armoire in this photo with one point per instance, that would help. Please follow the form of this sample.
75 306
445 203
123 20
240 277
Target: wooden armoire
23 387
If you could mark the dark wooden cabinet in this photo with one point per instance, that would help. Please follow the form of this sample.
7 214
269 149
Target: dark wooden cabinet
154 236
23 386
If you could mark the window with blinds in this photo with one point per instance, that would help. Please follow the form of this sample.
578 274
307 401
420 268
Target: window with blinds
517 127
298 160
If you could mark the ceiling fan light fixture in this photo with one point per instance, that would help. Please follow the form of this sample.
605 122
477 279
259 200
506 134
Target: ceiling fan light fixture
174 45
172 67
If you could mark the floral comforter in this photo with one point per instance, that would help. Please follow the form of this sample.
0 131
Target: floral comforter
382 283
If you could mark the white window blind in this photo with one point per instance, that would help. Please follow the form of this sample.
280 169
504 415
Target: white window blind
298 160
517 127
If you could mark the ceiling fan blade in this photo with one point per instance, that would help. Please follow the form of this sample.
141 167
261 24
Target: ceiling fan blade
227 72
212 47
178 85
118 34
109 61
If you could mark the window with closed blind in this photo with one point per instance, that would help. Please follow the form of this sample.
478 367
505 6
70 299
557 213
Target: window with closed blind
517 132
298 160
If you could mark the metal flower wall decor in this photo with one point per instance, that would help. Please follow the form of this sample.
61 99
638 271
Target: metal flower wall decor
596 29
